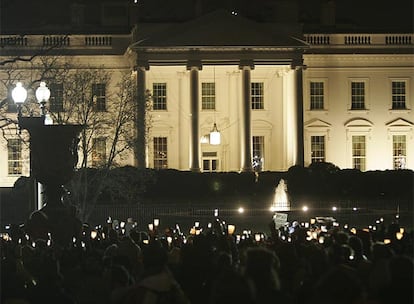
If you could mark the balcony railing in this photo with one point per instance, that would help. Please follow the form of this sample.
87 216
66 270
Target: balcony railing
98 41
14 41
363 40
56 41
64 41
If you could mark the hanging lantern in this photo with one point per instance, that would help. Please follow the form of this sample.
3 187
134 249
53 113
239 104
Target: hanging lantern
215 136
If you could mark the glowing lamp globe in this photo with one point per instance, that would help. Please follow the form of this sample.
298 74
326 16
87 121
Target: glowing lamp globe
42 93
19 93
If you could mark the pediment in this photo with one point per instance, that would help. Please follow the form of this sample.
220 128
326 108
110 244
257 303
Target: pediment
317 123
400 122
216 29
358 122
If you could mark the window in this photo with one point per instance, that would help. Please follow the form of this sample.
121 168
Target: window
257 96
399 151
358 152
98 151
159 96
208 96
316 96
210 162
14 154
398 95
56 97
317 149
258 153
98 96
160 153
357 95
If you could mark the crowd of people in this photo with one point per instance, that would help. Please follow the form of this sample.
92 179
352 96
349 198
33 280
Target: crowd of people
117 263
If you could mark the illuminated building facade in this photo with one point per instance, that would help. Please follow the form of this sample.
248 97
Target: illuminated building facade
277 96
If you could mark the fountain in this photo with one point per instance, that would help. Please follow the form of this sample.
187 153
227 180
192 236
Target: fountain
280 200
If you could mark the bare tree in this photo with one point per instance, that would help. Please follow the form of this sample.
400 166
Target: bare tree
113 119
116 125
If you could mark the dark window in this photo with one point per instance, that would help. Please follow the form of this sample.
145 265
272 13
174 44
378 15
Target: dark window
56 97
358 95
99 96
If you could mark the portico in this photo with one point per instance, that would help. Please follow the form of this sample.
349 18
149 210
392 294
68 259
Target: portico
215 41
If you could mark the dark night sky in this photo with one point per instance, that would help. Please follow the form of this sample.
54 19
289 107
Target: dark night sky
396 15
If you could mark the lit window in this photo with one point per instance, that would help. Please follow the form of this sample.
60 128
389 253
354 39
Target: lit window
208 96
14 153
358 95
359 152
98 151
160 153
159 96
258 152
398 95
316 96
317 149
99 96
56 97
399 151
257 99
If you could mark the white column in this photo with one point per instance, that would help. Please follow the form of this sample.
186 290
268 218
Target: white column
246 135
140 150
195 120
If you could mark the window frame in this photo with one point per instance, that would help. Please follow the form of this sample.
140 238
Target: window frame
161 162
56 103
392 95
323 95
257 95
314 159
260 147
17 157
208 101
98 151
159 102
359 157
99 96
396 159
365 104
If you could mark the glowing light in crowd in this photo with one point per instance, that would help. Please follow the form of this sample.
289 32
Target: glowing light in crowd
231 229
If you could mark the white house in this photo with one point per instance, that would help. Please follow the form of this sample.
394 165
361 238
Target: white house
276 96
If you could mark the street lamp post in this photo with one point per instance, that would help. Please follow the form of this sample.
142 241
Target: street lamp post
53 157
42 96
19 95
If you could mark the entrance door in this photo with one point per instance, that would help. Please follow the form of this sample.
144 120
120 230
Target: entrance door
210 162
